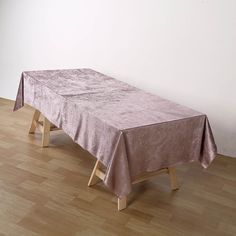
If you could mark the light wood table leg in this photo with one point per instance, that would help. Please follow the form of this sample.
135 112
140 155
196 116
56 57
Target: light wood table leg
44 126
122 203
173 178
35 119
94 178
98 174
46 132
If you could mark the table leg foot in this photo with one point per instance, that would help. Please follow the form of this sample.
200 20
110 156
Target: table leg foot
122 203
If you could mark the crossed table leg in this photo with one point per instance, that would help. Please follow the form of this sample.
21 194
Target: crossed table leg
98 174
44 126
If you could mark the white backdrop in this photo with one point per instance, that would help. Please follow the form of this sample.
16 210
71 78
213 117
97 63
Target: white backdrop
183 50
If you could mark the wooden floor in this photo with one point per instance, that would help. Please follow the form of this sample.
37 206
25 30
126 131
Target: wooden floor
44 191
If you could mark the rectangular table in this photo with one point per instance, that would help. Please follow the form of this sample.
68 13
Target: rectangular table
128 130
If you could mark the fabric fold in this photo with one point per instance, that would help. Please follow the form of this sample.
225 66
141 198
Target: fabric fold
20 95
117 177
208 148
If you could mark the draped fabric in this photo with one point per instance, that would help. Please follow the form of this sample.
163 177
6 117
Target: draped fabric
129 130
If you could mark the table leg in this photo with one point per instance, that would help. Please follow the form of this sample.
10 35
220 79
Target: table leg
122 203
94 178
98 175
173 178
46 132
35 119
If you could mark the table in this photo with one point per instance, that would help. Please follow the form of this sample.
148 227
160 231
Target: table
133 134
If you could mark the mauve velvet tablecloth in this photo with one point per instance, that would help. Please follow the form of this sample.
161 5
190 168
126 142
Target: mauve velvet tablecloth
129 130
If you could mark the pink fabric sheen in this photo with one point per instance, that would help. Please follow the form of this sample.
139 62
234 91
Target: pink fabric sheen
129 130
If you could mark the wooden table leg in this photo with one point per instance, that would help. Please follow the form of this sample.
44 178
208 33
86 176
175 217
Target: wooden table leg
98 175
46 132
44 126
173 178
94 178
35 119
122 203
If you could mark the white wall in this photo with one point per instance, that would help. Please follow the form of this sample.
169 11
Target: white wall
183 50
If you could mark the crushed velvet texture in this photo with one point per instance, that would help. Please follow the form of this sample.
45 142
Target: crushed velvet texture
129 130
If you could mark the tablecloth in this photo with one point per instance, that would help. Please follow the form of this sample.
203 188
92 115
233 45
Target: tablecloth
129 130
